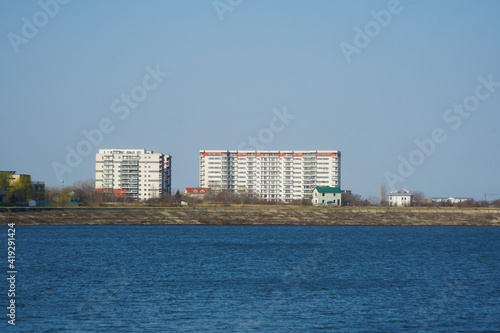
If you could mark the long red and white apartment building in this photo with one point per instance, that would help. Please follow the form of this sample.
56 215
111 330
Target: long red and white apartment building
275 175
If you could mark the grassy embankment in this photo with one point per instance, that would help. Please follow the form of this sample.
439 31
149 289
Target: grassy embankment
251 214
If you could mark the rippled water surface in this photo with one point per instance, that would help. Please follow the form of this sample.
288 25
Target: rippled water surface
257 278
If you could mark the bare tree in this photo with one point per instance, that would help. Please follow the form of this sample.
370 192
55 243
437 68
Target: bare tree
85 192
351 199
383 195
419 199
373 201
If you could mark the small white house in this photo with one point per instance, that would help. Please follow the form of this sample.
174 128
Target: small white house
327 196
400 198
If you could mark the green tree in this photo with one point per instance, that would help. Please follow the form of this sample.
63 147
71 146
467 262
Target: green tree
4 179
21 189
64 197
58 197
4 184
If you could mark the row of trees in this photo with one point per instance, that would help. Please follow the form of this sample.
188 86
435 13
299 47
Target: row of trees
221 197
348 199
85 194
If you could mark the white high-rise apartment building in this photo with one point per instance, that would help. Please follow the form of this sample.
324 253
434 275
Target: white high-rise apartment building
283 175
136 173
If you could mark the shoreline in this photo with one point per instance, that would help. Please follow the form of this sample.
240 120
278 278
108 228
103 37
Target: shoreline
251 215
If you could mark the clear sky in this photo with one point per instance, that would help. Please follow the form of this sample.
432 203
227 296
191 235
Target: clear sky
408 91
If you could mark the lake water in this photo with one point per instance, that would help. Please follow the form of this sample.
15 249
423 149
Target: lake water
256 278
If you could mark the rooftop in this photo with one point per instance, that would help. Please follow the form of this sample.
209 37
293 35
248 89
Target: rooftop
197 190
328 189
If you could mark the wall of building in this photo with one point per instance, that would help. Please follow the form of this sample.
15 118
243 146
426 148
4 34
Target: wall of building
324 199
400 200
139 173
270 175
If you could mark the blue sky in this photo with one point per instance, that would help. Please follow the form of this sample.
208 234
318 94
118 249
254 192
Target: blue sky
233 64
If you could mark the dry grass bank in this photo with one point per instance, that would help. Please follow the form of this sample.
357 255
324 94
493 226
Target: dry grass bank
252 215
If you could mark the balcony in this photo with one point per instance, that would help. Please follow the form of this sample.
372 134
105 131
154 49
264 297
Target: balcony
129 162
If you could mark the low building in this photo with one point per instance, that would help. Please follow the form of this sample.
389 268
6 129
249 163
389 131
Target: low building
451 200
19 188
196 192
400 198
38 191
327 196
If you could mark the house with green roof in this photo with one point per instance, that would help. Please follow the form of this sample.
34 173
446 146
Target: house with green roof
327 196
